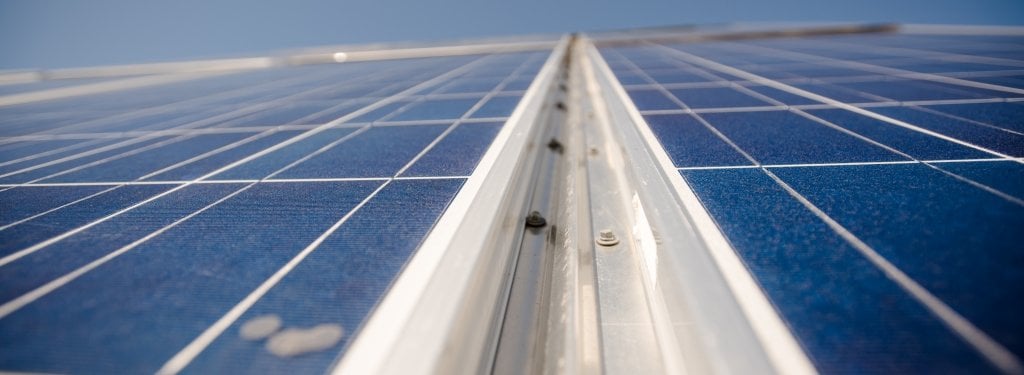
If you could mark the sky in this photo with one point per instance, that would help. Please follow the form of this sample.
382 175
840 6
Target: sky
62 33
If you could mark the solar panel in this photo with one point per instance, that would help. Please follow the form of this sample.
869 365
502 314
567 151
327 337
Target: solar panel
733 200
868 210
210 213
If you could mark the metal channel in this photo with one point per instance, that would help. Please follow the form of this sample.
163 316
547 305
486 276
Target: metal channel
444 312
550 324
523 325
707 318
649 300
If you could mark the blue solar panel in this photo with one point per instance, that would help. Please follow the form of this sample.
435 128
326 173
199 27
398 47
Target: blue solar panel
983 136
44 227
915 144
847 313
844 242
458 153
378 152
121 245
210 163
165 292
341 281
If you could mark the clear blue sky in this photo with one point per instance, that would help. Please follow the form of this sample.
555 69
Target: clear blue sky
51 33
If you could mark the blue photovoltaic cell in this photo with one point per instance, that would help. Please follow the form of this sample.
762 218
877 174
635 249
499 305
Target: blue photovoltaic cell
780 137
937 212
1006 176
1004 115
916 144
282 157
21 203
912 90
17 150
157 121
847 314
440 109
38 157
522 83
646 100
211 163
676 76
498 106
978 135
139 309
378 152
471 85
134 166
341 282
80 158
690 144
1014 81
71 217
280 115
36 269
782 96
942 67
716 97
332 114
458 153
809 70
627 79
834 92
23 125
380 112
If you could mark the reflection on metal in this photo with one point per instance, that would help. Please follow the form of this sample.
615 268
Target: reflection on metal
391 53
100 87
305 57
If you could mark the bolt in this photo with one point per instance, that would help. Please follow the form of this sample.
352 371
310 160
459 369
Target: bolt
555 145
535 220
607 238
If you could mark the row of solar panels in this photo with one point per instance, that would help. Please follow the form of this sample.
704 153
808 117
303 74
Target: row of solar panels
846 203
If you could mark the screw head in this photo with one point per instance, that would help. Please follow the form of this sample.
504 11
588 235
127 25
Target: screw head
535 220
607 238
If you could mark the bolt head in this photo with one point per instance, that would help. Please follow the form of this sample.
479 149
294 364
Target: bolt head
607 238
535 220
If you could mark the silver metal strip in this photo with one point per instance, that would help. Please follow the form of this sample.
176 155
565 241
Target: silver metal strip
962 30
322 55
635 330
97 88
441 313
